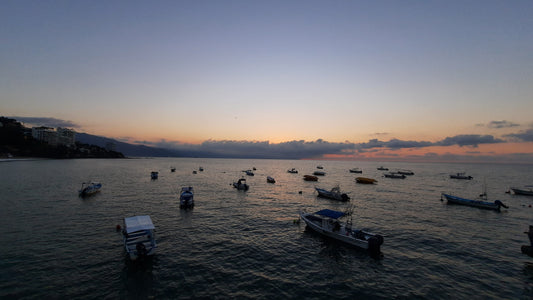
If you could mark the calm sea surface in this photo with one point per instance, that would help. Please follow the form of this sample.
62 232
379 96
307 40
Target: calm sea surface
236 244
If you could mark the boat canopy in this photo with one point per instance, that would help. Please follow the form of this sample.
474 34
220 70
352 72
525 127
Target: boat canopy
138 223
330 213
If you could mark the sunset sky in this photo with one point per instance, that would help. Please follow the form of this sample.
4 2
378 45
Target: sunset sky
422 80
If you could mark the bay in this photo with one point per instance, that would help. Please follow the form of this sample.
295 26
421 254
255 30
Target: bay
236 244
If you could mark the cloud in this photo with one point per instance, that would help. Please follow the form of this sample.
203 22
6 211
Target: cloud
502 124
468 140
523 136
48 122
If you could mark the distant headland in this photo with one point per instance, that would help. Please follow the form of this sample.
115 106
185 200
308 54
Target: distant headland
17 140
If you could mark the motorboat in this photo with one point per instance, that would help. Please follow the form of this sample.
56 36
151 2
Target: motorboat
138 235
405 172
154 175
88 189
293 171
496 205
319 173
522 191
320 167
334 194
460 176
382 168
201 169
187 197
241 185
249 172
310 178
172 169
270 179
356 170
394 175
326 222
365 180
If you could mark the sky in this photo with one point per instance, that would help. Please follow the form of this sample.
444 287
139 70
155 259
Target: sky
382 80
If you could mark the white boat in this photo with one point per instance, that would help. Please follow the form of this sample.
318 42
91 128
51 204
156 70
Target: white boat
522 191
327 222
154 175
88 189
293 171
138 235
241 185
460 176
356 170
319 173
496 205
394 175
335 194
187 197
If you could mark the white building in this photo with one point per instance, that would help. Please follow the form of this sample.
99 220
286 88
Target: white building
61 136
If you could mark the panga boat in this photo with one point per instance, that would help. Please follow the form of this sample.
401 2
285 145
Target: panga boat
187 197
382 168
172 169
88 189
154 175
249 172
517 191
138 234
460 176
365 180
334 194
394 175
475 203
319 173
293 170
310 178
241 185
270 180
406 172
326 222
356 170
319 167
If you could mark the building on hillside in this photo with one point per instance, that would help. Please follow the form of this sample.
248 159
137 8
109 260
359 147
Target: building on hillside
110 146
61 136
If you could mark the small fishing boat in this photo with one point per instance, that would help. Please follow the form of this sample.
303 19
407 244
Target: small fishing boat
460 176
334 194
319 173
475 203
319 167
356 170
270 180
522 191
310 178
201 169
394 175
365 180
241 185
327 222
293 171
187 197
154 175
405 172
382 168
172 169
138 236
249 172
88 189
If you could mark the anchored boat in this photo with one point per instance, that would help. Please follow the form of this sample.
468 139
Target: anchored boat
496 205
327 222
334 194
187 197
88 189
138 235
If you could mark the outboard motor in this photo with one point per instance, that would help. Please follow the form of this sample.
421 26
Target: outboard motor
499 203
374 244
141 250
345 197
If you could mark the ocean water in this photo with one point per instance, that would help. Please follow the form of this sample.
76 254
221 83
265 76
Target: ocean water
237 244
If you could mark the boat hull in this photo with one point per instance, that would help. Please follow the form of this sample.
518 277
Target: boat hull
522 192
335 196
474 203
